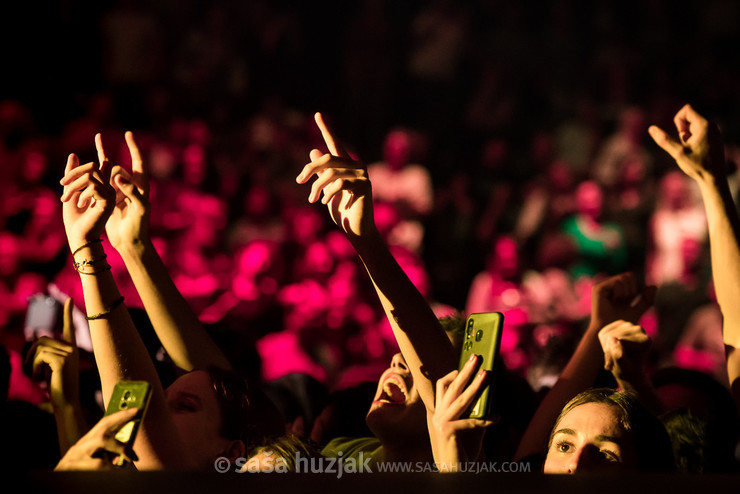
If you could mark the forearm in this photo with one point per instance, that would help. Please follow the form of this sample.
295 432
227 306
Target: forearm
447 455
421 338
724 240
71 425
641 387
119 350
733 369
578 375
120 354
178 328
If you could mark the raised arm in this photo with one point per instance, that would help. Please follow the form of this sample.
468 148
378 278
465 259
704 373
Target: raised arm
348 195
88 201
178 328
618 297
61 356
699 152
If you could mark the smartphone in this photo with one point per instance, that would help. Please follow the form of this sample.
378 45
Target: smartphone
43 317
483 338
129 394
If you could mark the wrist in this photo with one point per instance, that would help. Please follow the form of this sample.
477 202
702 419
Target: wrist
634 383
80 244
134 249
594 326
90 258
706 179
370 239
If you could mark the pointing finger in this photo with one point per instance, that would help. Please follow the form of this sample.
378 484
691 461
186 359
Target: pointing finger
137 164
105 167
72 162
331 143
99 147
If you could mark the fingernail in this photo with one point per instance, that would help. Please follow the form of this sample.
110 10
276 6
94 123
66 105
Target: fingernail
472 357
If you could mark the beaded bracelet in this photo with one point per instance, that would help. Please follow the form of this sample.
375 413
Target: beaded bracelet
94 241
106 311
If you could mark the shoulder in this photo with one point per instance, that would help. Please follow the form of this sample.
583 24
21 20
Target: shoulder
348 447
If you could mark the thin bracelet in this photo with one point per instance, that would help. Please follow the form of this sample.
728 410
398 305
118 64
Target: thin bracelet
87 262
106 311
98 271
94 241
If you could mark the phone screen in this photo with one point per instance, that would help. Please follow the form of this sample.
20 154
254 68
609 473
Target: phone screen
43 316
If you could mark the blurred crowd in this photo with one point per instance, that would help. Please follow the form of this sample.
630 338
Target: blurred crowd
507 147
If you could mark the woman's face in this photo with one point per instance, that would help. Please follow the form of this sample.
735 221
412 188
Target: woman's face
590 437
197 415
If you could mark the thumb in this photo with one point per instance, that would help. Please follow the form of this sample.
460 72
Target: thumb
128 189
331 142
315 154
666 142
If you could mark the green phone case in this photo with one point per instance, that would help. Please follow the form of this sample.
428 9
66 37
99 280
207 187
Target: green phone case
483 338
129 394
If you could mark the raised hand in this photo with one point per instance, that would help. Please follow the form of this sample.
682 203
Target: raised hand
62 357
344 184
128 225
99 449
699 151
700 154
619 297
626 347
88 200
455 439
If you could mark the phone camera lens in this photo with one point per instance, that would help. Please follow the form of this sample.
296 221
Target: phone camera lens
478 335
127 395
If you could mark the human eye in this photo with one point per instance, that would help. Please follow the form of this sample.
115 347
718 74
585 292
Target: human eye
563 447
610 456
183 405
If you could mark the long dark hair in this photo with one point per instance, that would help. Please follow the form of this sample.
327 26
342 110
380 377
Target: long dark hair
246 411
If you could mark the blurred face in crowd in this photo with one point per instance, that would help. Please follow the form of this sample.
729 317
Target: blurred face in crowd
674 190
10 253
34 167
505 258
589 199
590 437
397 149
194 164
